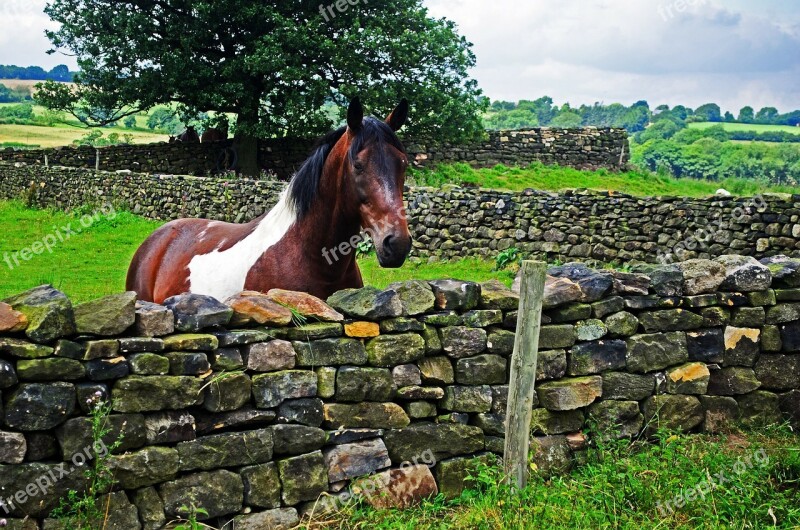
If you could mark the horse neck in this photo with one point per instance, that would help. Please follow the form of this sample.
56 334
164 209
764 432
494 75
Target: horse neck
334 218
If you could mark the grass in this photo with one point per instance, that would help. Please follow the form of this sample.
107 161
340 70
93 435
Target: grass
746 127
556 178
620 486
94 263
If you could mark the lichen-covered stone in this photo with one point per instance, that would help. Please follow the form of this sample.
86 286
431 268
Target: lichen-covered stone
556 337
778 372
467 399
327 352
627 387
500 341
622 324
138 393
647 353
150 507
107 316
591 329
551 364
401 325
416 296
701 276
262 486
314 331
569 313
271 389
269 356
226 450
482 318
398 488
721 413
306 411
616 419
547 422
495 295
277 519
24 349
744 274
667 411
689 378
148 364
153 320
391 350
481 370
304 477
364 384
228 391
732 381
594 357
452 474
455 295
570 394
433 344
741 346
147 467
75 435
52 369
39 406
705 345
48 311
437 370
12 447
432 441
188 363
356 459
218 493
194 312
191 342
459 341
368 302
759 409
364 415
406 375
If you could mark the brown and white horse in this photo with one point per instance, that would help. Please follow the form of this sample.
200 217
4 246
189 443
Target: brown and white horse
353 180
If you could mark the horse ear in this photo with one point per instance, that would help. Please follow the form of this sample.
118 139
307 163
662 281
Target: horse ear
398 116
355 114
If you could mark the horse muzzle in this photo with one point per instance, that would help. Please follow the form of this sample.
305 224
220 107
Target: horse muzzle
392 250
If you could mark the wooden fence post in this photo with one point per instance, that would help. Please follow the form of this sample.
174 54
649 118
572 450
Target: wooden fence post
523 373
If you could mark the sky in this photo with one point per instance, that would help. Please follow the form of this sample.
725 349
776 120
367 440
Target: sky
690 52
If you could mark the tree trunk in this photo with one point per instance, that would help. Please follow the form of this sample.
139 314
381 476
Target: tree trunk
246 142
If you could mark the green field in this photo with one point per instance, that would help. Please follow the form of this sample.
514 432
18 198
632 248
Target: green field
556 178
746 127
66 133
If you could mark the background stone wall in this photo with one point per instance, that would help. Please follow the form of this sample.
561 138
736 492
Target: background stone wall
452 223
583 148
249 413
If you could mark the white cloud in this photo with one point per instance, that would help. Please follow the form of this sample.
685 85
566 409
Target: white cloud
734 52
665 51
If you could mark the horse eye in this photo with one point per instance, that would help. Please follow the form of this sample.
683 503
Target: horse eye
358 166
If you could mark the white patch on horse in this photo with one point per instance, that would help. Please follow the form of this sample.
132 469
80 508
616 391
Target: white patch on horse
222 274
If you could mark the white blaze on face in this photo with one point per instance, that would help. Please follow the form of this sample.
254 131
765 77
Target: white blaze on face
222 274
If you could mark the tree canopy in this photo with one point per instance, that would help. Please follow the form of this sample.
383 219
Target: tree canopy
273 64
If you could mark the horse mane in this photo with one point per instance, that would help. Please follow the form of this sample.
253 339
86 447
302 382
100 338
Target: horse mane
304 186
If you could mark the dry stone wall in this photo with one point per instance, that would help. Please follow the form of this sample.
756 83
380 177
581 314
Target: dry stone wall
588 148
252 411
453 223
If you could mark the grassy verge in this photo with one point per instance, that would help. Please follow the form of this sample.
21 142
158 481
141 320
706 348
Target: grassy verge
626 485
555 178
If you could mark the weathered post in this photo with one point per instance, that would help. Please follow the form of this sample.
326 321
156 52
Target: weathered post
97 159
523 373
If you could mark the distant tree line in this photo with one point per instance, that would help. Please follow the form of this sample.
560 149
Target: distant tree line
636 118
36 73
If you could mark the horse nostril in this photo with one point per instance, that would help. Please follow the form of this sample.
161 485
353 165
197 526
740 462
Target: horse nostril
387 242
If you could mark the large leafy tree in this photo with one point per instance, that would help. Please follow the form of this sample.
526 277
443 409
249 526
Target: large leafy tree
273 64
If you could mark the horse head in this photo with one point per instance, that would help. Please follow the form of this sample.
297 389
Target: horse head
375 167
